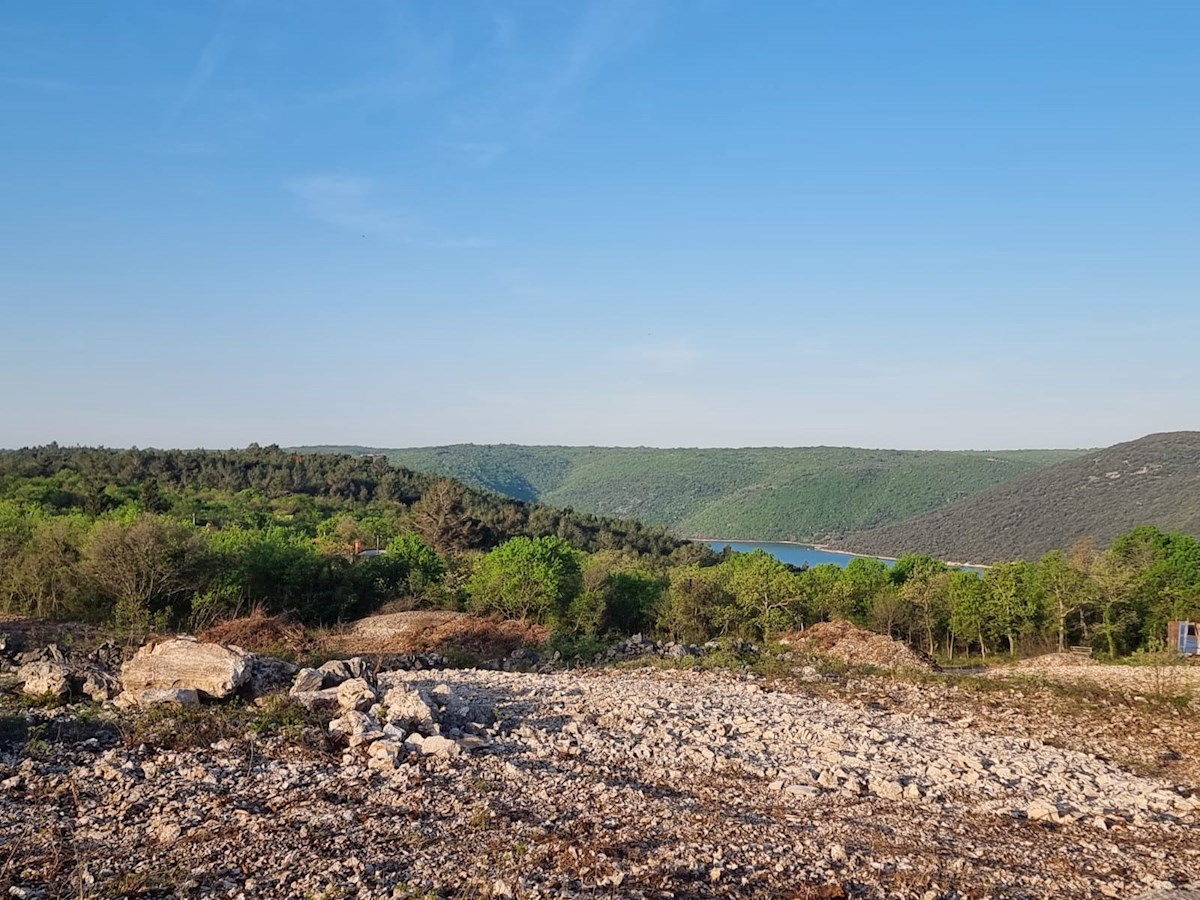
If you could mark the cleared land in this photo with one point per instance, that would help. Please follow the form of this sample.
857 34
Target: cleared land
618 782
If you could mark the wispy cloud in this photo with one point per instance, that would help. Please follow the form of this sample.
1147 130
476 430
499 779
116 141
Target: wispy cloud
524 86
405 63
211 57
605 29
353 203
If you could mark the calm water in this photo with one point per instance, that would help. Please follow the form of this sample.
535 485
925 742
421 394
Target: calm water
796 554
802 554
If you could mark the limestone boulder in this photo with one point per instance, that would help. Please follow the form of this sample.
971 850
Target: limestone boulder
355 694
213 671
440 746
159 697
45 677
335 672
407 710
99 685
307 680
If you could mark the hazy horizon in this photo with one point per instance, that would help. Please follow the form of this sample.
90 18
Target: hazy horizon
617 222
329 446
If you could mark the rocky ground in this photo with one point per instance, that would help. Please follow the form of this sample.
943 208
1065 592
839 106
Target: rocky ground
592 783
1170 678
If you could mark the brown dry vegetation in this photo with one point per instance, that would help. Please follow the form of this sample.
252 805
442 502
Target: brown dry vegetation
259 633
435 631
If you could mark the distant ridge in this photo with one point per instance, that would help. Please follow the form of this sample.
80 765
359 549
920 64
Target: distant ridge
1151 481
755 493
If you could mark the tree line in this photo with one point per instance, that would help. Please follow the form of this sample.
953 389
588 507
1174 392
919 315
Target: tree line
156 539
147 538
1115 601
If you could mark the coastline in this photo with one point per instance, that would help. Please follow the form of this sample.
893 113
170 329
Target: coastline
824 548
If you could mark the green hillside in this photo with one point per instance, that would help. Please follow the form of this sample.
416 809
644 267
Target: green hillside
1103 493
758 493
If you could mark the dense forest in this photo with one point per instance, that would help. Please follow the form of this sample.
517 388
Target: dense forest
153 539
762 493
141 535
1096 496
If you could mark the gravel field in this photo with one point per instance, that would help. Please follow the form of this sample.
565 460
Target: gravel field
619 783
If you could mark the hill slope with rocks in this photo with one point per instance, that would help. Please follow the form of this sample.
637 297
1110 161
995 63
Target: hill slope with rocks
1151 481
755 493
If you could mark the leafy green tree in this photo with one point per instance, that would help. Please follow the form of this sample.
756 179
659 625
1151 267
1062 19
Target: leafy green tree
631 600
274 568
423 567
44 576
145 568
821 593
927 594
889 611
863 578
1013 604
915 564
968 608
1164 572
1065 591
766 593
693 609
528 578
586 614
1114 581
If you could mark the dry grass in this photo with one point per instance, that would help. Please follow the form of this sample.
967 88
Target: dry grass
438 632
279 635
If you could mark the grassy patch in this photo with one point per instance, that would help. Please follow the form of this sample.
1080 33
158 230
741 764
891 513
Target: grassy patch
183 728
576 648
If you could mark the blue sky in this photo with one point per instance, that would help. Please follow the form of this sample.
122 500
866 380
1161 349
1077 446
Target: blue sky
937 223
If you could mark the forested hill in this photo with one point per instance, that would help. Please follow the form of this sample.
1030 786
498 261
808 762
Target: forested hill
764 493
263 486
1154 480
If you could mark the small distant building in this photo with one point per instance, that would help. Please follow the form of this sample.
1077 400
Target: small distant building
1184 637
366 553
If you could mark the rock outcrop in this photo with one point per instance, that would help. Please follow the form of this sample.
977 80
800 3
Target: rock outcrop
45 678
213 671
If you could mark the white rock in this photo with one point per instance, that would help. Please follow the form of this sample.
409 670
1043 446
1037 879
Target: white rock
307 681
159 697
212 670
323 699
335 672
408 710
100 686
45 677
440 746
356 694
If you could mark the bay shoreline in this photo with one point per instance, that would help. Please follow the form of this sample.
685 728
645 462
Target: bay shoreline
824 548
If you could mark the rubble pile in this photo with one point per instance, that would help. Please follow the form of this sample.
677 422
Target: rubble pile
856 646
